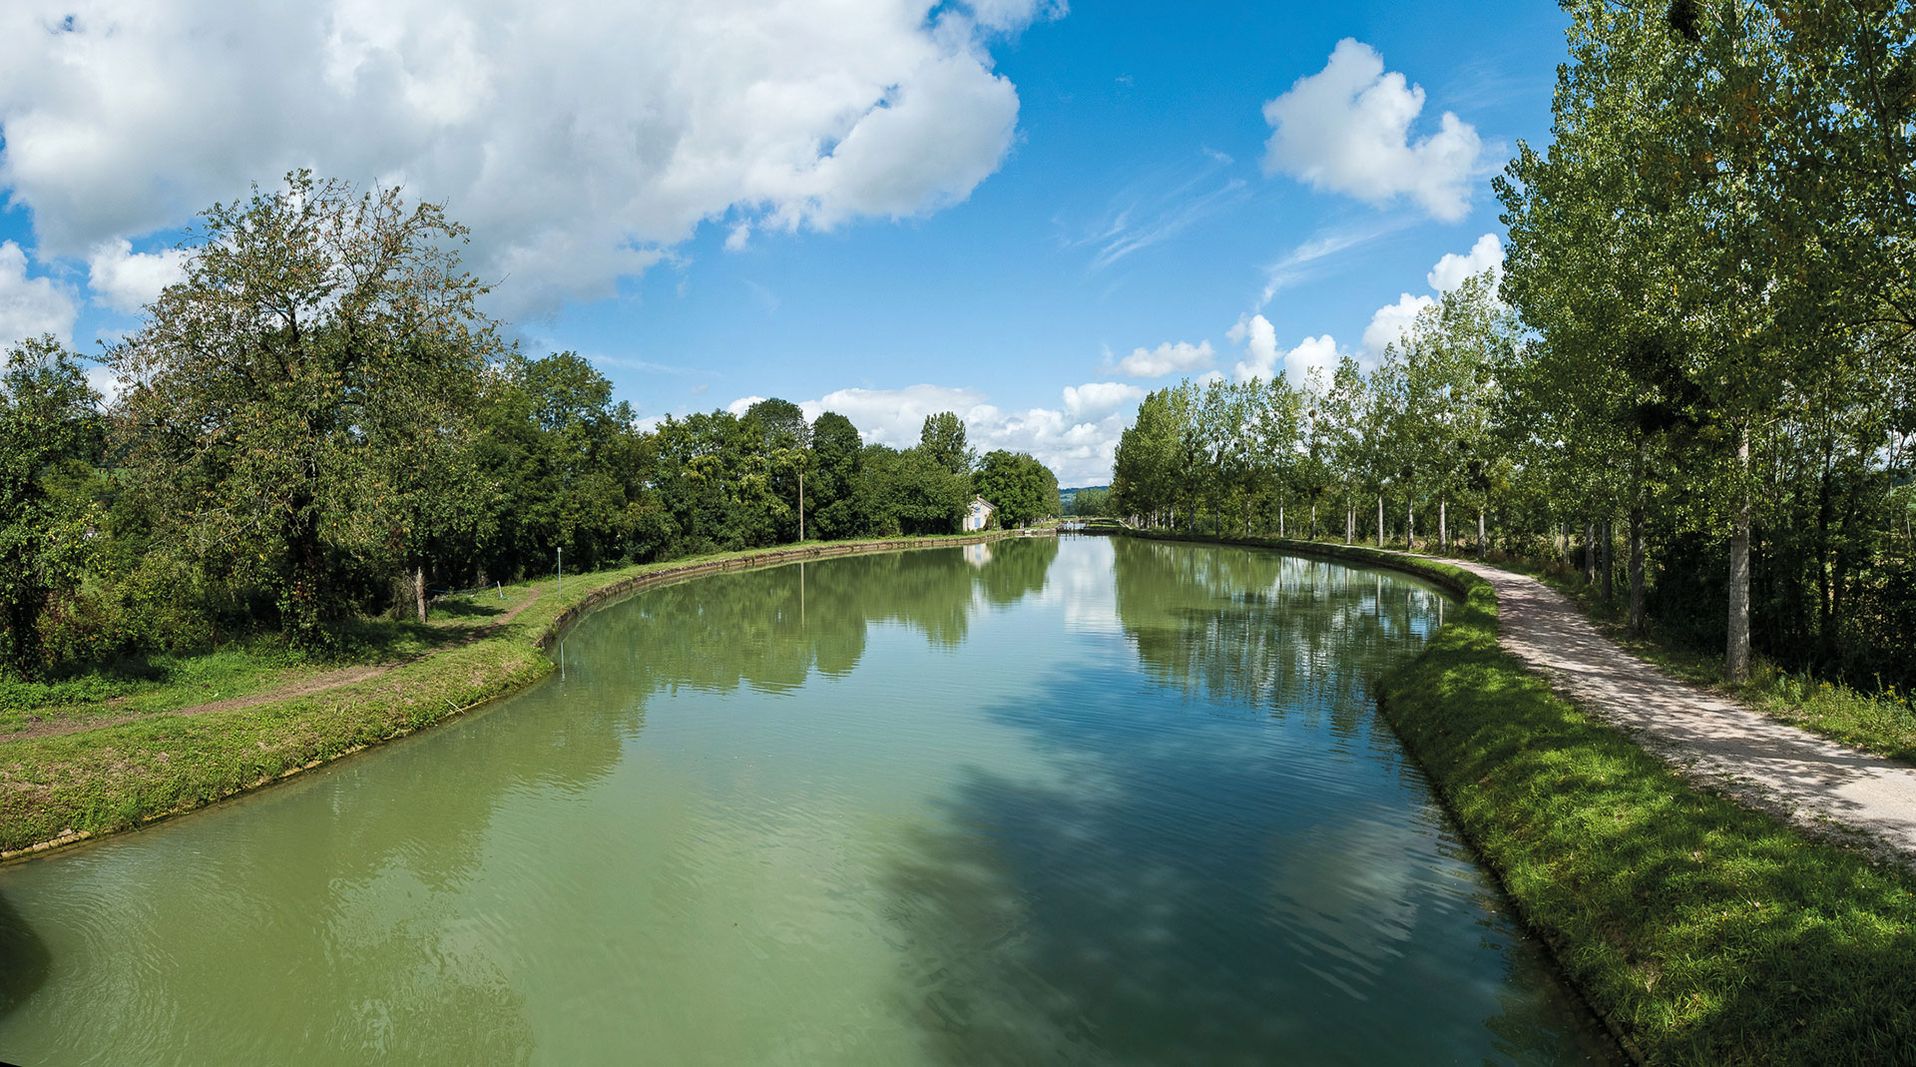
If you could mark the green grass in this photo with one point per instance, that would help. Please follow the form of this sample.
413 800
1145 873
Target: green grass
1701 931
163 683
115 776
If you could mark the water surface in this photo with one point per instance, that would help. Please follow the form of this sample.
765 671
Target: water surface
1042 801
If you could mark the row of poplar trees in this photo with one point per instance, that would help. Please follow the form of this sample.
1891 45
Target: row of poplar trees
320 422
1699 357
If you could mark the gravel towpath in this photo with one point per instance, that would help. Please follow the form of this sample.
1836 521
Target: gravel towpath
1817 783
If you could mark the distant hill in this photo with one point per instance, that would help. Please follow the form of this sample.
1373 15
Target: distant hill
1065 495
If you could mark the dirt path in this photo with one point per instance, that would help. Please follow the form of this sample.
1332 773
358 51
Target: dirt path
306 686
1816 782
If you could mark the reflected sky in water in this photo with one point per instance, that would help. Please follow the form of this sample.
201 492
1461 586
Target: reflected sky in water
1039 801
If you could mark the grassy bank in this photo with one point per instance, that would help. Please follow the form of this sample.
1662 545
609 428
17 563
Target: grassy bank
146 760
1703 932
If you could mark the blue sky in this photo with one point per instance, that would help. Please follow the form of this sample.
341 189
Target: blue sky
868 204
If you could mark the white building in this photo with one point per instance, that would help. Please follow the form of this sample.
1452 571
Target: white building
978 516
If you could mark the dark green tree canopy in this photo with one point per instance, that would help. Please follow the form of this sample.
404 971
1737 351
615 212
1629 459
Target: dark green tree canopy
51 438
943 439
324 341
1022 489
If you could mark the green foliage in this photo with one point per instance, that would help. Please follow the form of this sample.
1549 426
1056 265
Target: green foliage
910 492
298 407
836 462
943 440
1150 470
563 468
1714 252
51 438
1090 503
1022 489
1264 455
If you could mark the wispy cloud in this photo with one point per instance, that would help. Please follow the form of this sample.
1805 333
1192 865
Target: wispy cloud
1310 259
767 300
1488 81
1157 208
646 365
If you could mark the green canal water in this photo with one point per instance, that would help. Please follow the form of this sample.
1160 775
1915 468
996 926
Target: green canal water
1038 802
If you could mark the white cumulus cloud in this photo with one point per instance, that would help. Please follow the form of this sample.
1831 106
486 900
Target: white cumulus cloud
1259 339
128 281
1347 129
1312 358
1486 255
1098 398
1168 358
1312 362
895 416
580 139
1393 321
30 306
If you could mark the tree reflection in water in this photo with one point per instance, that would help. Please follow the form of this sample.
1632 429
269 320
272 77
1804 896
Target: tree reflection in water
1267 630
770 629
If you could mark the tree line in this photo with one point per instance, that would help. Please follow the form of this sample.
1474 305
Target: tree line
1698 359
319 422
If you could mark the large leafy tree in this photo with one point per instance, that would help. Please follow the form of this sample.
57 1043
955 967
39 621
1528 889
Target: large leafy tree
785 442
942 439
51 441
565 465
323 342
836 451
1021 488
1153 475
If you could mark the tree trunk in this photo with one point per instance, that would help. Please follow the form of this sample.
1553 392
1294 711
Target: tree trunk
1280 520
1443 524
306 600
1380 520
1736 654
1609 541
1313 534
1350 524
419 591
1589 552
1482 545
1410 525
1636 570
